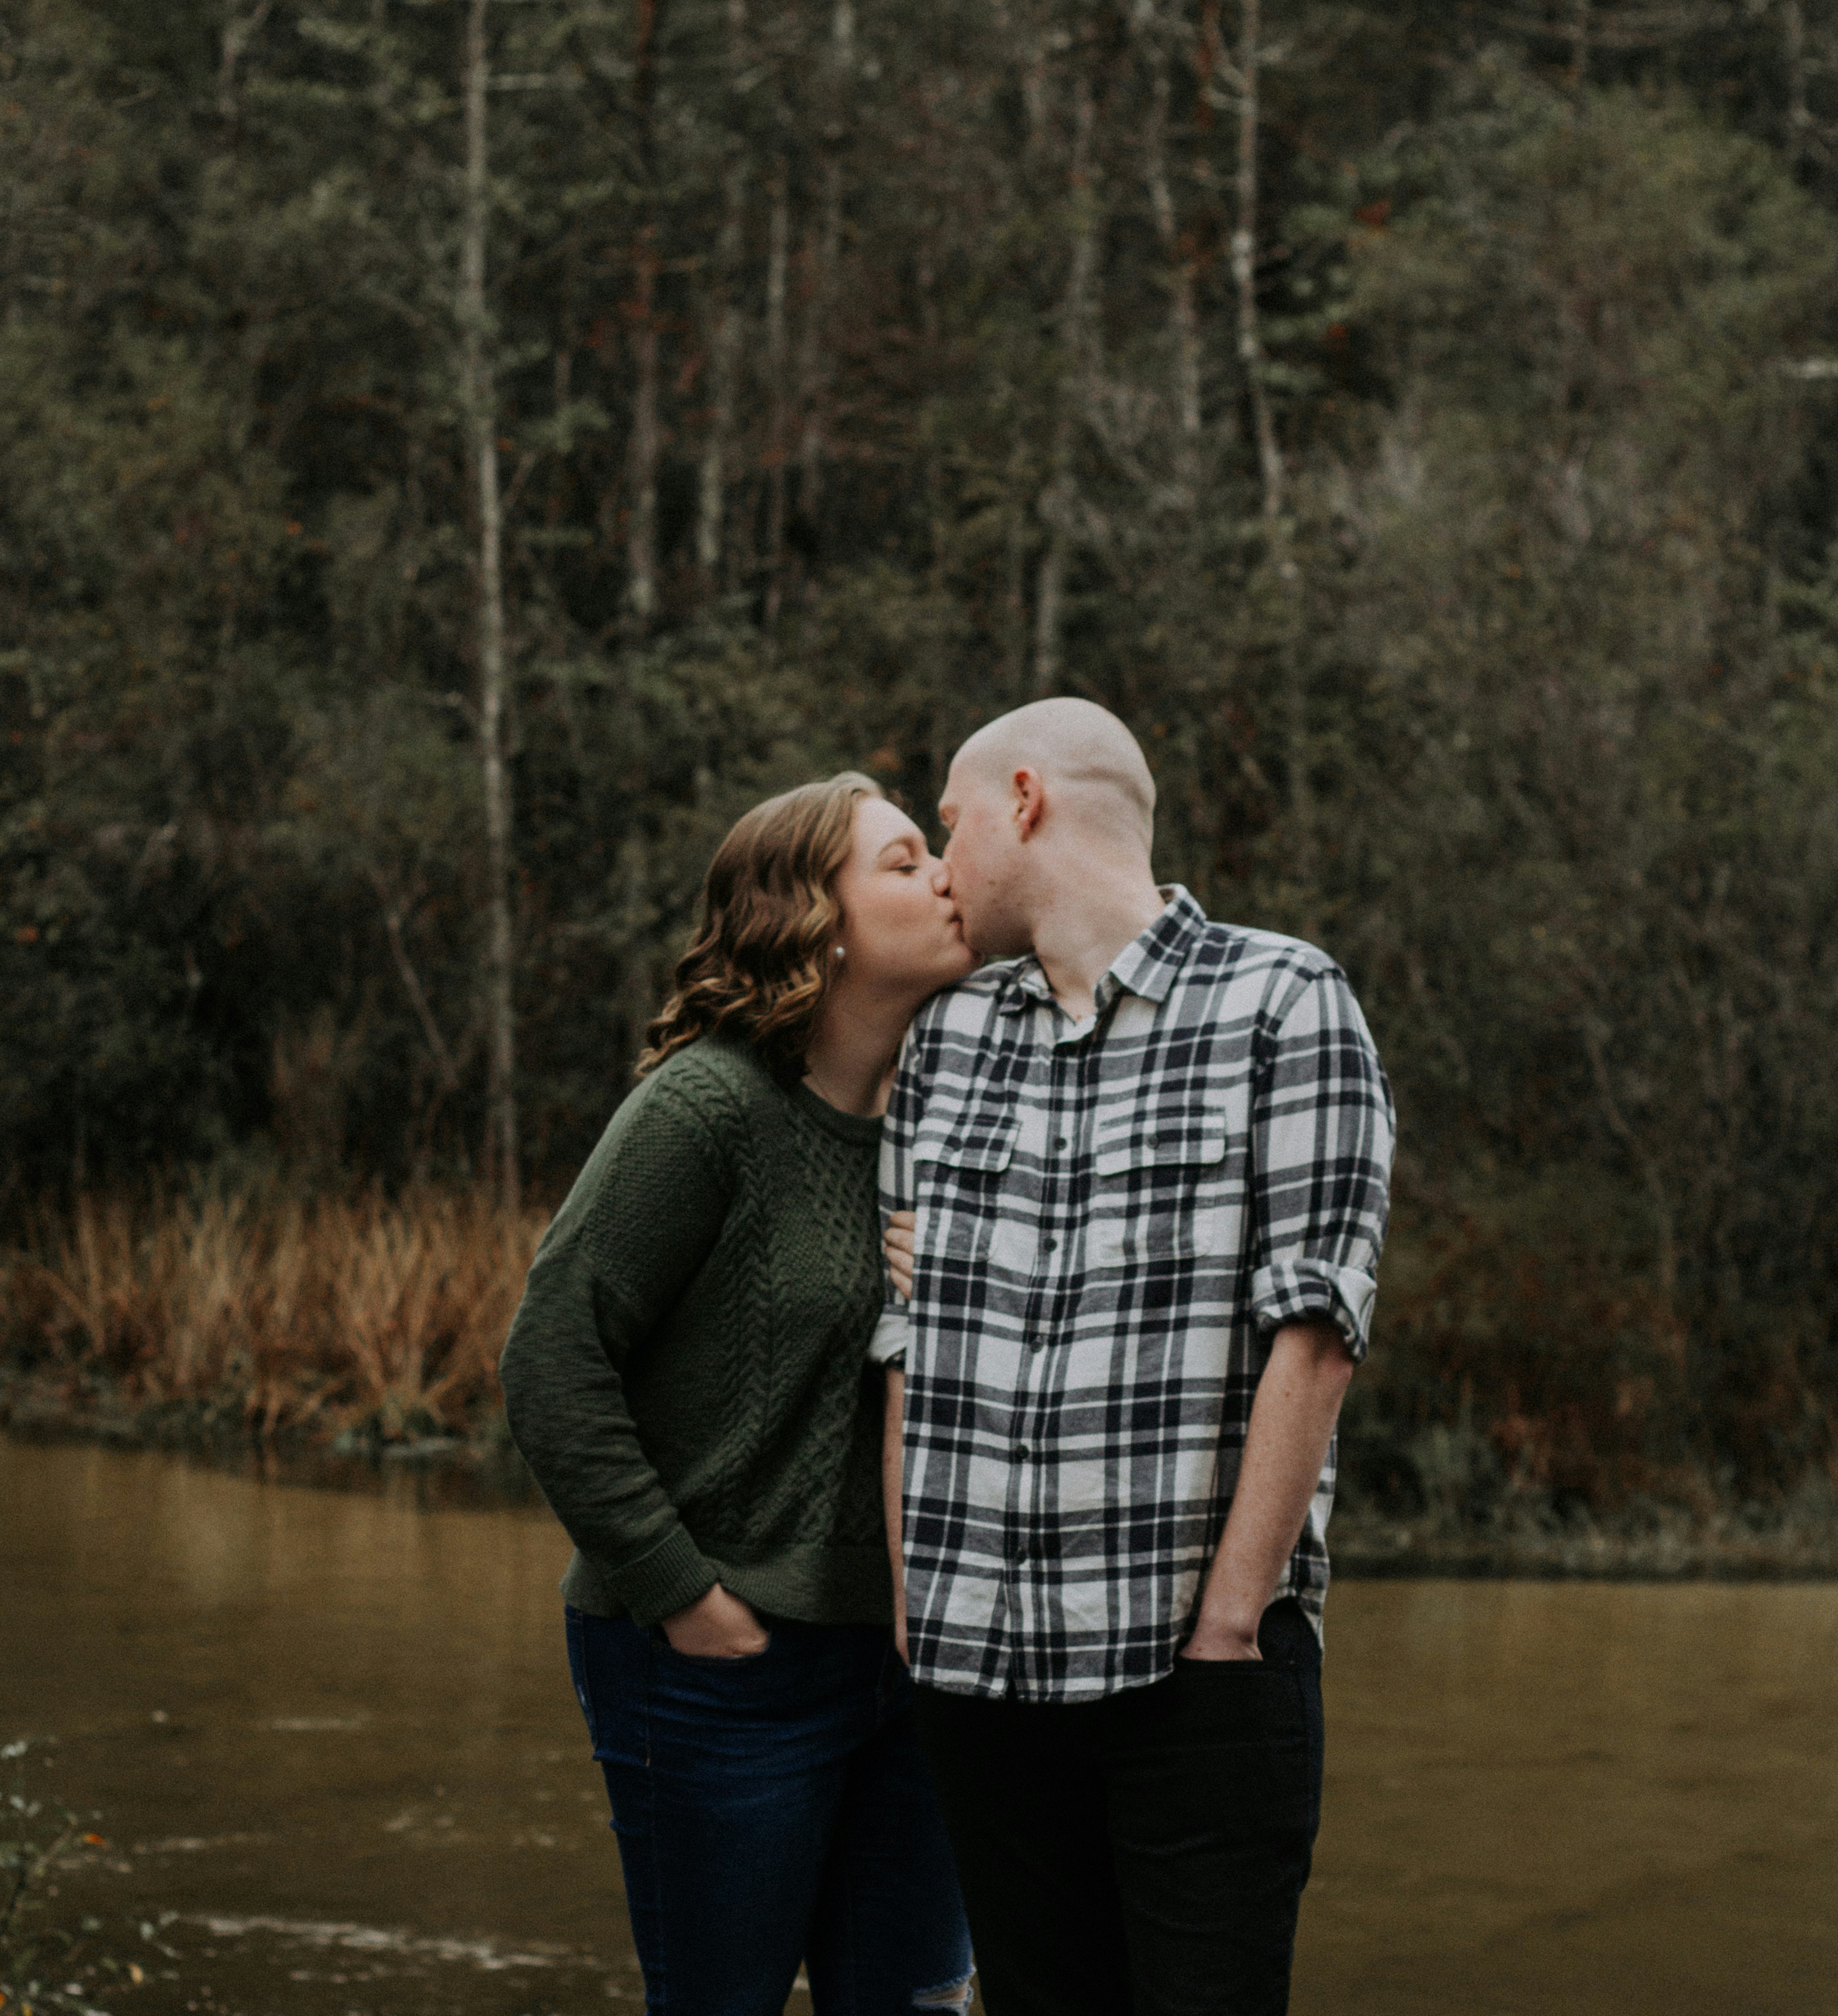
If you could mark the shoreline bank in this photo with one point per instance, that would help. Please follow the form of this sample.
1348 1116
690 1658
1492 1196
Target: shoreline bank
482 1470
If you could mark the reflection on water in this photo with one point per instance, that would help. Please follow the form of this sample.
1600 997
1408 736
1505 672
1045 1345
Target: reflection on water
334 1733
1578 1797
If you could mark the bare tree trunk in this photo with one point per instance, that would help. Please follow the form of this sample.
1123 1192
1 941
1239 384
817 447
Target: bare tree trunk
1059 499
1034 92
724 331
1665 1234
641 571
1244 270
1580 21
926 280
813 372
1278 547
778 261
1015 667
239 32
1793 53
479 400
1183 315
724 371
814 366
410 980
641 551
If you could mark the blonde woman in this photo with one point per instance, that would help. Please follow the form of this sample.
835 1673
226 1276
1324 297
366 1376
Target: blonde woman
687 1377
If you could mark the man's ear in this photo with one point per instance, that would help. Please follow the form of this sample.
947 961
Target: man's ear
1028 805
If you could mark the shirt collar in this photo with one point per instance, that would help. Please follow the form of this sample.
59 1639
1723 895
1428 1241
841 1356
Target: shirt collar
1147 966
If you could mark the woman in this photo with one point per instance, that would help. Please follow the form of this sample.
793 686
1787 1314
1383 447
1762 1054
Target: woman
687 1378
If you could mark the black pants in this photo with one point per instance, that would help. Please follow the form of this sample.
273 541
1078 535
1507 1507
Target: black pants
1143 1855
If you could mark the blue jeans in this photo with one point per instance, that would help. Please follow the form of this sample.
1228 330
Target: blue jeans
771 1811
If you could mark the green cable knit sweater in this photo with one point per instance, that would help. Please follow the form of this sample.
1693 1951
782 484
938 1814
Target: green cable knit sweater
687 1374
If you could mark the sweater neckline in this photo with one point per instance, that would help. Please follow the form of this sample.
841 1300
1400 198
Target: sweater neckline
849 1126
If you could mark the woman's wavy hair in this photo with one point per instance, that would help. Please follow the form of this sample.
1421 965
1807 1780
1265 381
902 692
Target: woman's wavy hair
763 962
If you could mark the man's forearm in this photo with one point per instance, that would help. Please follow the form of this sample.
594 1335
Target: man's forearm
893 1465
1292 1418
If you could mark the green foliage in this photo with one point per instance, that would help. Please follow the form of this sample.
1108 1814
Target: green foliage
1532 724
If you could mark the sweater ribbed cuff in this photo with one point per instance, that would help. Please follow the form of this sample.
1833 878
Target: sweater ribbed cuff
657 1585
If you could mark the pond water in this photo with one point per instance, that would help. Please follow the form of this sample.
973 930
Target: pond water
332 1732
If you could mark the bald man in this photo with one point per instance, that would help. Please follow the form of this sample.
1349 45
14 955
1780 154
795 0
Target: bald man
1148 1157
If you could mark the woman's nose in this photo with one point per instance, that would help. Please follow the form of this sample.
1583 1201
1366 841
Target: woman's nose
941 878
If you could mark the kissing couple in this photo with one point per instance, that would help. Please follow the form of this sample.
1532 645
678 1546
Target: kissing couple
936 1366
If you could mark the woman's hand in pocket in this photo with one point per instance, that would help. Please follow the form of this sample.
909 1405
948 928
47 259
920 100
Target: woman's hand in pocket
717 1626
896 1245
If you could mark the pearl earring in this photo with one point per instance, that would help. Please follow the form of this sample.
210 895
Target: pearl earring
839 952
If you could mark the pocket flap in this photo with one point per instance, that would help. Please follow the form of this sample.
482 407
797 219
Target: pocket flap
984 1145
1166 1144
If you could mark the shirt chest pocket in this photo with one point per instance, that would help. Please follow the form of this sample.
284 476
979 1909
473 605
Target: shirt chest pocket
1163 1195
958 1176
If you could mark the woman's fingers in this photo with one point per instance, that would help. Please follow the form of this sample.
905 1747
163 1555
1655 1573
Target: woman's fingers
717 1626
898 1242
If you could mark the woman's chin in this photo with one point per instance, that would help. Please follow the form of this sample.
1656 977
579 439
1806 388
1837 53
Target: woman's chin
948 972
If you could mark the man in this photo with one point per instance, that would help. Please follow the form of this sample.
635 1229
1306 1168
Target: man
1148 1156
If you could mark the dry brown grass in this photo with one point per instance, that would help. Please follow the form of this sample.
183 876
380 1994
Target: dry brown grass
294 1313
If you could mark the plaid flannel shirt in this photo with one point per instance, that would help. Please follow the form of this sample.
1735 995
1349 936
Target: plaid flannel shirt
1114 1217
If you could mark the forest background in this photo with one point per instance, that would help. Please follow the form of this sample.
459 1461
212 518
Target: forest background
456 454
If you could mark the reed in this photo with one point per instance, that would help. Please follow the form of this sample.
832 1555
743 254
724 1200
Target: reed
281 1311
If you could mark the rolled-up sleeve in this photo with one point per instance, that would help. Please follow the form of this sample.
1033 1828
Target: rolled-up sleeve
887 1346
1322 1132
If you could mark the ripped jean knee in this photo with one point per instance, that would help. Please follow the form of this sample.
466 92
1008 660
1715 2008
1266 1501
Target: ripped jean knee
953 1995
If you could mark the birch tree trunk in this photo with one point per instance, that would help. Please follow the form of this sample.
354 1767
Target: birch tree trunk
1183 317
725 330
778 275
641 570
1059 499
479 402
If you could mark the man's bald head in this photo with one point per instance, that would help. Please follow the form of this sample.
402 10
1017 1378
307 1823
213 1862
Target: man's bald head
1091 766
1051 812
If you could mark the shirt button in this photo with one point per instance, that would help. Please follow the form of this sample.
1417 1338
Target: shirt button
1050 1244
1037 1344
1020 1558
1059 1141
1021 1452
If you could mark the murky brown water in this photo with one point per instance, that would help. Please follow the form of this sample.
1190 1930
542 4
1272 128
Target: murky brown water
334 1734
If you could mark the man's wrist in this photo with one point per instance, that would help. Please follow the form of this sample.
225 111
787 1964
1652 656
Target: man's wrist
1230 1615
